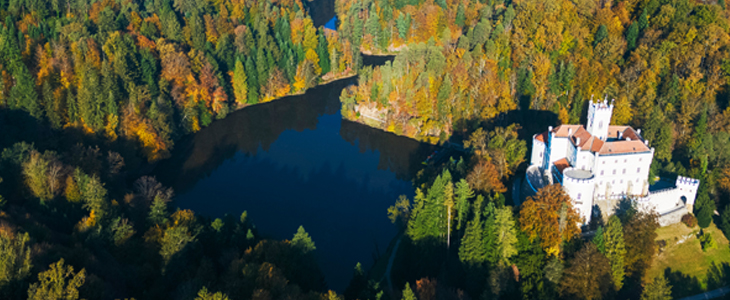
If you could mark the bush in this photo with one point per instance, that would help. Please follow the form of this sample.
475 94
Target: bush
689 220
707 242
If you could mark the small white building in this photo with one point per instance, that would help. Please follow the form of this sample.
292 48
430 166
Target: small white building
600 164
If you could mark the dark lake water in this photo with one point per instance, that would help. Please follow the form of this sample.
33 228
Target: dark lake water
295 161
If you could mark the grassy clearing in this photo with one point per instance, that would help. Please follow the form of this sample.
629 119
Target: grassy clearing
683 252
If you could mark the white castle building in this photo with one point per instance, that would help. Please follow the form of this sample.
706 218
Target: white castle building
600 164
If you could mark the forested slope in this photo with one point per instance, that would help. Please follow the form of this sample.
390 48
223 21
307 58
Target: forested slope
151 71
462 68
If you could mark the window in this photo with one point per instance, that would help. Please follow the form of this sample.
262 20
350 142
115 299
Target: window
621 182
624 160
578 196
614 171
601 172
600 124
639 158
624 172
615 161
638 170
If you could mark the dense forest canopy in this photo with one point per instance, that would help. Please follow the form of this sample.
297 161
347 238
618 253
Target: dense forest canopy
80 221
151 71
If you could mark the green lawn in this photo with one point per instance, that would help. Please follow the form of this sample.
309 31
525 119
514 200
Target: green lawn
688 257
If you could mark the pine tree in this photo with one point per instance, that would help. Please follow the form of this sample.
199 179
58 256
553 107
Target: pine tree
471 251
632 34
506 235
323 53
240 84
460 15
601 34
615 250
302 241
463 194
598 240
408 293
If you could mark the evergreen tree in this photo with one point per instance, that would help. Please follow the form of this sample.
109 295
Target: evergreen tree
471 251
403 23
601 34
240 84
460 15
408 293
323 53
615 250
253 83
632 34
302 241
657 289
463 194
372 25
704 208
506 235
598 240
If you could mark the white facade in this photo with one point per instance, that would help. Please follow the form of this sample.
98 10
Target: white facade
602 162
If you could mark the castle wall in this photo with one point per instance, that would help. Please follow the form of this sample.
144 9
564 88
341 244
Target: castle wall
538 152
581 192
558 149
622 173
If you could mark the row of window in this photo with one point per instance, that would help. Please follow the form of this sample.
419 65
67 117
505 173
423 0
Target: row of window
638 170
616 161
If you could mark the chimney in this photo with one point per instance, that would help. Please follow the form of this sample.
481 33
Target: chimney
577 141
628 139
620 135
646 142
638 131
570 131
550 128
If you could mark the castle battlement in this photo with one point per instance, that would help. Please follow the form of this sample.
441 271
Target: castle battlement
577 176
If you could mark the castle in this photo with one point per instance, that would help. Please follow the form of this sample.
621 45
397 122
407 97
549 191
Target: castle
599 165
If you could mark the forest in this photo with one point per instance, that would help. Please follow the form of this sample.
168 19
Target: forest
92 93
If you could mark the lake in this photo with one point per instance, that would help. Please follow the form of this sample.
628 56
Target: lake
295 161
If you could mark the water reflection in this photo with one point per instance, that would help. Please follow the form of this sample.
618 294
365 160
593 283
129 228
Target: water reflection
295 162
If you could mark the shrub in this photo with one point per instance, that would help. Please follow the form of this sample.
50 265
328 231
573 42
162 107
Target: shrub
689 220
707 242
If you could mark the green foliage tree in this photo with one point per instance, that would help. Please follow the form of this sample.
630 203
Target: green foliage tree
303 241
203 294
599 241
506 235
632 34
408 293
60 282
463 194
15 260
615 250
471 249
240 83
657 289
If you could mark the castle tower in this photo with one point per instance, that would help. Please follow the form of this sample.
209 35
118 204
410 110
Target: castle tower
687 190
599 117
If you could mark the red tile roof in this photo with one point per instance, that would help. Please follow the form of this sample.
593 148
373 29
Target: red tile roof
562 164
542 137
623 147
